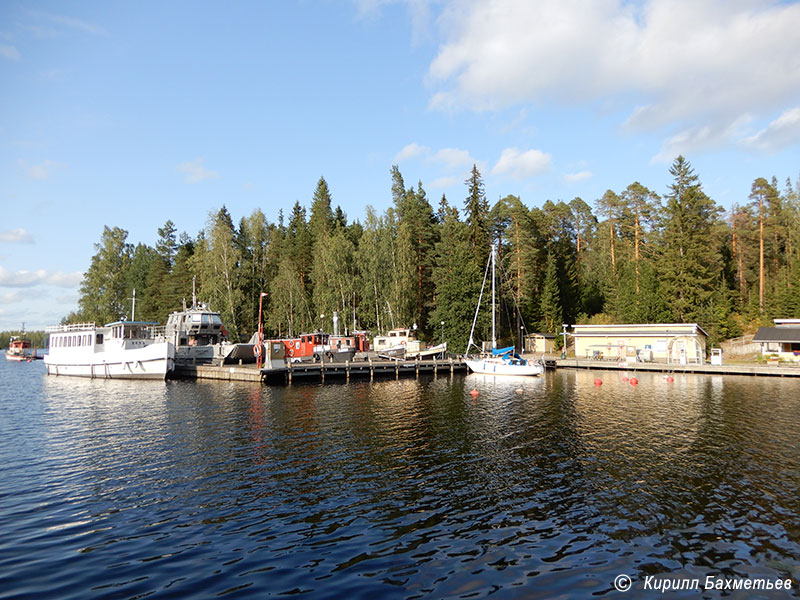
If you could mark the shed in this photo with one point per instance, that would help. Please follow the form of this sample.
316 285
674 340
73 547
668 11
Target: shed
540 343
664 342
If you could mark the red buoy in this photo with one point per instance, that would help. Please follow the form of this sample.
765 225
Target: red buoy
669 378
474 393
634 381
598 381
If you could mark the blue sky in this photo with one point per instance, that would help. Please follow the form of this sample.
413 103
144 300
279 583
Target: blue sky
129 114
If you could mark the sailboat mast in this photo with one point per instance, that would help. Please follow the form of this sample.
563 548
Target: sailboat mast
494 258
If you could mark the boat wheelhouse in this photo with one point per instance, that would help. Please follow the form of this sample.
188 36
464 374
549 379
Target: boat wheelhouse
197 334
119 350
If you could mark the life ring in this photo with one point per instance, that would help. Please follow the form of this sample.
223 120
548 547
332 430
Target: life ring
257 350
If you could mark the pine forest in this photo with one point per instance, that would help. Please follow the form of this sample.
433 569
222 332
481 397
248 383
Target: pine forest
631 256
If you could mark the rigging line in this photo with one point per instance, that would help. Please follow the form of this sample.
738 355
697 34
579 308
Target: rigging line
477 308
517 309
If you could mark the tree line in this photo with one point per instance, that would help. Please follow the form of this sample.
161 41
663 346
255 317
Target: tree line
636 256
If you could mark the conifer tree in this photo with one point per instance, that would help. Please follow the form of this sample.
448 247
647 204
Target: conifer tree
321 220
552 314
689 258
457 284
476 209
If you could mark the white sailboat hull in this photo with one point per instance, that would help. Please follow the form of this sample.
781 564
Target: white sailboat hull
493 366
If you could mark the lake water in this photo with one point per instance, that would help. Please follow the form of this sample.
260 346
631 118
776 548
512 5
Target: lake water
548 487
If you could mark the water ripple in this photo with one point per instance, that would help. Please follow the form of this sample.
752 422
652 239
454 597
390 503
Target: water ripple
545 487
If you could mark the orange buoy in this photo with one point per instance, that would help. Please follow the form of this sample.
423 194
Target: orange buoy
634 381
474 393
669 378
598 381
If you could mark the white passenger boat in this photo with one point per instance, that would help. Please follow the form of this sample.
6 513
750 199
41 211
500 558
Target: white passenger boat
119 350
501 361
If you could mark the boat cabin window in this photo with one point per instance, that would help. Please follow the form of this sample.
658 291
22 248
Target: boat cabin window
98 339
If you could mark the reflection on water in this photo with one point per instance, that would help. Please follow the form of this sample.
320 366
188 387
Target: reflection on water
440 488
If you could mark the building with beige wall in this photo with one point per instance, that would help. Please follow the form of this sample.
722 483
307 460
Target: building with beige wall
661 342
782 340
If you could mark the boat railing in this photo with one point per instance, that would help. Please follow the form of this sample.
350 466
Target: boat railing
69 327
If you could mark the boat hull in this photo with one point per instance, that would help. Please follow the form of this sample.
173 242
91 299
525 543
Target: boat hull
154 361
499 367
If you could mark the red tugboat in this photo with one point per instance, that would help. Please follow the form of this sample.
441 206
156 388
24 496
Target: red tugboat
319 346
20 350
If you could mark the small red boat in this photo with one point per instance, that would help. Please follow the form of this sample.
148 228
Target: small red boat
324 346
20 350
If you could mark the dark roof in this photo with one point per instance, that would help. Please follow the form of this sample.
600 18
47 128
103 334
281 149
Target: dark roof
777 334
549 336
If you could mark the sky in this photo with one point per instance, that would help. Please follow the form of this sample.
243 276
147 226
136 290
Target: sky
131 114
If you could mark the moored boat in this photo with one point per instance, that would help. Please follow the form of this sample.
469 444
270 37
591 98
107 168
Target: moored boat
501 361
119 350
317 346
402 343
20 350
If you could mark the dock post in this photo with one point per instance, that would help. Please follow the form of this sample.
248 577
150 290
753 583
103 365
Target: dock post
371 369
289 364
435 367
322 367
417 368
451 365
397 369
347 370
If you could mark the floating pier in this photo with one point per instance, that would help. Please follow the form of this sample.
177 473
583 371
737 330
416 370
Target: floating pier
704 369
322 371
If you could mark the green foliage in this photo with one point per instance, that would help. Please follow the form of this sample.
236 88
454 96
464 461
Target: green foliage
104 289
631 260
689 259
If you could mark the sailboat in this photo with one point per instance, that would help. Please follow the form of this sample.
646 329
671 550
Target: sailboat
502 361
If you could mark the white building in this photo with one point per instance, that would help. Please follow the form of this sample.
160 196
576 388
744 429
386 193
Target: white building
664 342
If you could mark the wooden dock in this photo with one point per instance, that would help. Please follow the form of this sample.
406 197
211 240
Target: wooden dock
705 369
322 371
382 368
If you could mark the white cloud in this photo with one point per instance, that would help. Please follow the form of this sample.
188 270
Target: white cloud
63 22
453 158
579 176
16 236
41 171
419 11
522 164
410 151
442 183
684 62
195 171
9 52
13 298
699 139
24 279
780 133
